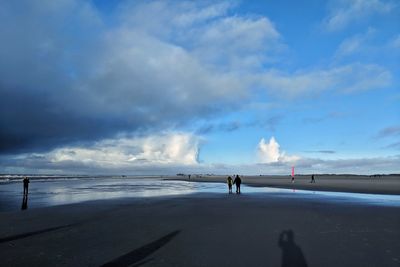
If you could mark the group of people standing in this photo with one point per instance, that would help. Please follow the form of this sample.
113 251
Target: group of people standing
236 182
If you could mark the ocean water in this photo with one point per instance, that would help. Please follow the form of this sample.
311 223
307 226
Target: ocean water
51 190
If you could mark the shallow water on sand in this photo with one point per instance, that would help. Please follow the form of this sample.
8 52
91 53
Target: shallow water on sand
51 192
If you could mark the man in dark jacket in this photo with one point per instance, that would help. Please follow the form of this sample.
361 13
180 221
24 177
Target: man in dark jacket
26 185
237 182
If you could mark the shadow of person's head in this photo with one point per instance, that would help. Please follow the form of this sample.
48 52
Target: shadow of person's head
287 236
292 254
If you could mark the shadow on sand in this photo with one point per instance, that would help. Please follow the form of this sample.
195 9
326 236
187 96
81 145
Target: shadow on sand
24 235
135 256
292 256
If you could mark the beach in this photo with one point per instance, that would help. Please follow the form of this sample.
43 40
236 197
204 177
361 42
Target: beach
375 184
205 229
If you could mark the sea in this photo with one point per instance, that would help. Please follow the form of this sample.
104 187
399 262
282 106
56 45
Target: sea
53 190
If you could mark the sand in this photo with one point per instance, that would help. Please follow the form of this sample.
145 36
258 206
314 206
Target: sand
202 230
386 184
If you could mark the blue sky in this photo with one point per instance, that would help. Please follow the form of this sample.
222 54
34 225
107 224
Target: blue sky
200 86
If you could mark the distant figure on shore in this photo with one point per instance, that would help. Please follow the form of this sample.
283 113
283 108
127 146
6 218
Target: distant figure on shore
312 179
237 182
26 185
189 176
292 179
230 182
291 252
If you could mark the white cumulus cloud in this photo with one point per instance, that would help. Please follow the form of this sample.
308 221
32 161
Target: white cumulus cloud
270 152
168 148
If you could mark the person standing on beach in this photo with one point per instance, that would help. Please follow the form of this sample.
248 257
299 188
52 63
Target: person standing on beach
26 185
230 182
237 181
312 179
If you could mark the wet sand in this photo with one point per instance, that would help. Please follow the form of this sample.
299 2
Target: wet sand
202 230
387 184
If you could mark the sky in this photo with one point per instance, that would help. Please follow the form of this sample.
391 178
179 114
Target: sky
165 87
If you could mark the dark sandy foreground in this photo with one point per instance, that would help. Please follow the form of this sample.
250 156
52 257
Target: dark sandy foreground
202 230
386 184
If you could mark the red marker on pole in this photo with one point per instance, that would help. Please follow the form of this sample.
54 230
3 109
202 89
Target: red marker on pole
292 174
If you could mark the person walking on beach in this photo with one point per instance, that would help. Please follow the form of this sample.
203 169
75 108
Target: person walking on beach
230 182
237 182
26 185
312 179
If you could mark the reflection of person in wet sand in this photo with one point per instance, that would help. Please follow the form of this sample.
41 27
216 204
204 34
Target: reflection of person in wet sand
24 205
230 182
26 185
237 181
291 252
25 197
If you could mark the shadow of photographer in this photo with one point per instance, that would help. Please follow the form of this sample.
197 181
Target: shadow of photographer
292 256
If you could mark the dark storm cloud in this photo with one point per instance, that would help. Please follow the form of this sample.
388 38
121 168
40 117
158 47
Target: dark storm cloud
39 104
30 121
66 76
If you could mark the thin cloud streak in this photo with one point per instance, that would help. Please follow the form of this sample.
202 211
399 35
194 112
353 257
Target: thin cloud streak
345 12
321 151
392 131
